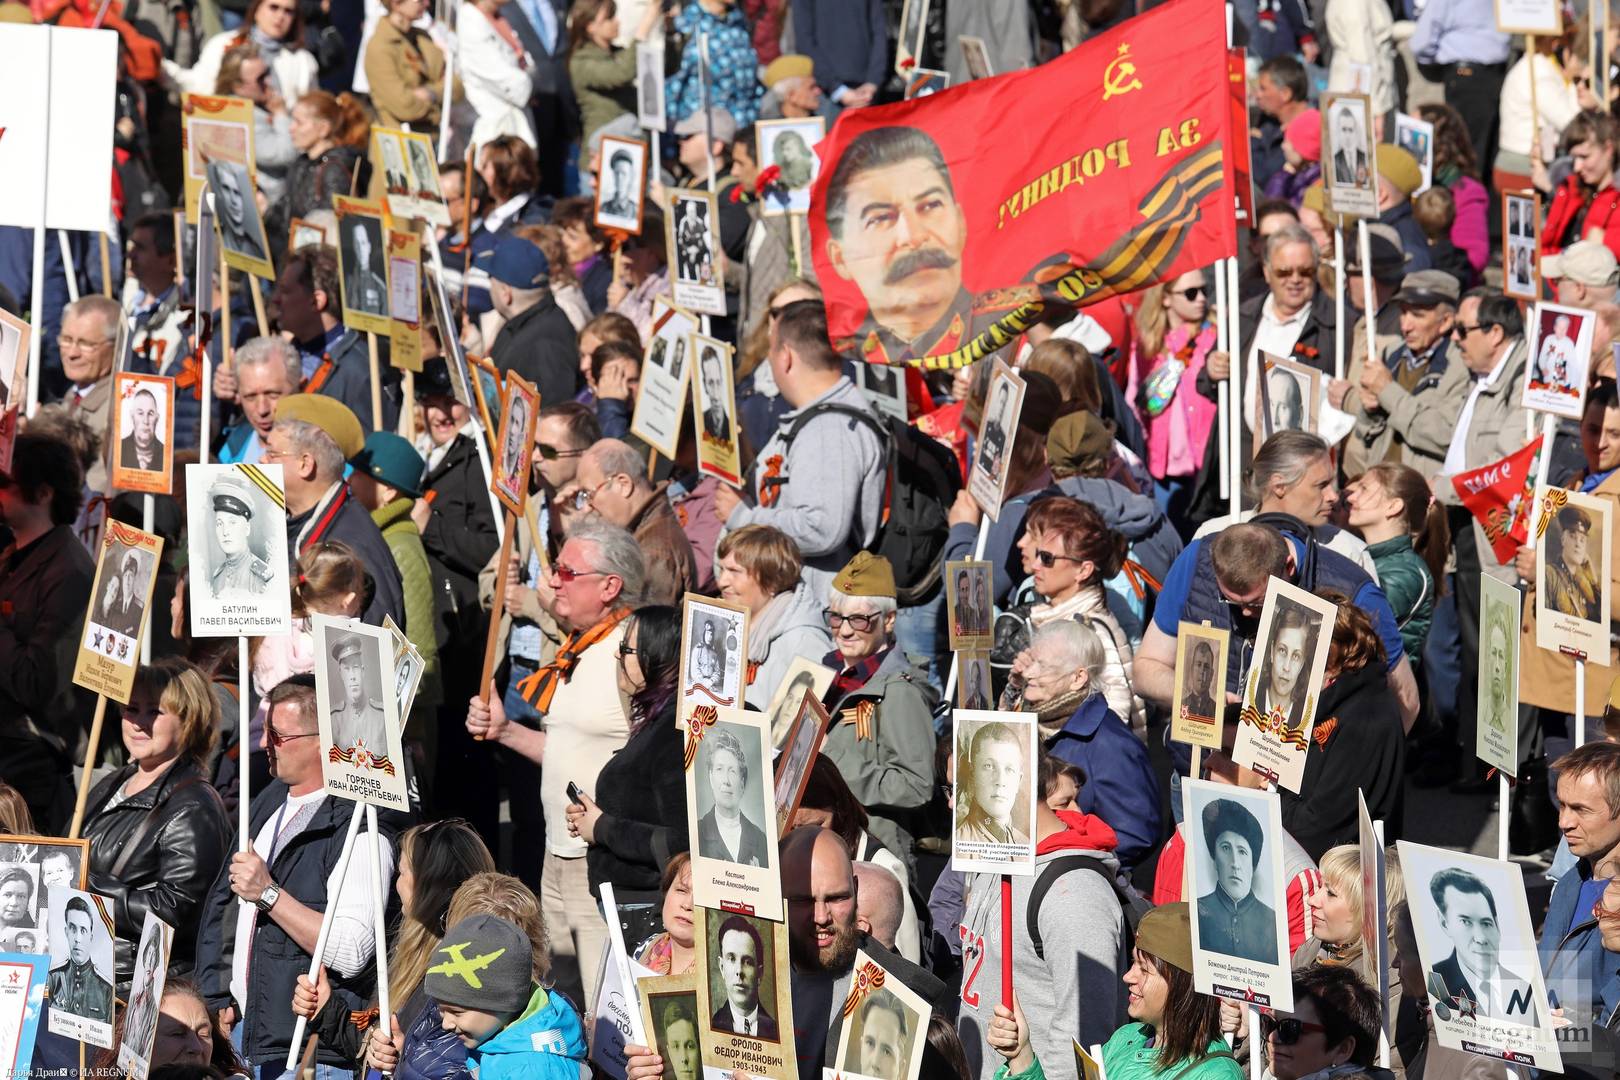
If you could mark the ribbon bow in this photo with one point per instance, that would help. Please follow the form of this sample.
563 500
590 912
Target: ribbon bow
1274 724
1551 502
190 376
861 714
537 689
1323 731
701 718
869 978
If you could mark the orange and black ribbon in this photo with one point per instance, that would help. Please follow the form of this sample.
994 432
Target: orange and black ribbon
537 689
702 716
1276 724
869 978
1552 502
863 714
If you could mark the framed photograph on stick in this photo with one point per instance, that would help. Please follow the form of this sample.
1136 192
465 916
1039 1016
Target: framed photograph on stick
143 424
120 603
1200 695
362 268
715 405
974 680
82 972
1521 244
1349 160
15 336
621 185
1284 683
799 751
987 479
669 1014
145 995
665 370
1497 732
519 411
362 757
1555 379
1540 18
731 812
804 676
714 643
404 300
650 112
1572 533
30 868
967 601
692 229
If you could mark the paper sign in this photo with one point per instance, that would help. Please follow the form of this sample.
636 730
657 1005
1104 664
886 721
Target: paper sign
143 425
81 933
120 604
362 267
362 756
969 611
884 1025
1497 732
1284 684
730 813
236 525
987 480
146 994
692 237
1572 536
745 1011
714 404
22 994
1349 161
662 398
1200 699
996 770
404 300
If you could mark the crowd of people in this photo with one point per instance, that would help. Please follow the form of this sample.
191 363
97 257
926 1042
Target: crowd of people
564 772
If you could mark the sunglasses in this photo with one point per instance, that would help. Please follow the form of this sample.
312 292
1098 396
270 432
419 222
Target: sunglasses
567 574
1194 293
551 453
276 738
1050 559
1461 332
1283 273
1287 1030
861 623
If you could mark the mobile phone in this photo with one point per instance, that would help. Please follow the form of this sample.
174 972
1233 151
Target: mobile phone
575 796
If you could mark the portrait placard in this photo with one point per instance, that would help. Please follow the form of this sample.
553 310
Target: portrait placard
361 753
1573 589
885 388
714 643
994 827
236 521
520 408
730 812
974 680
714 404
408 668
143 424
1560 354
1374 961
884 1025
145 995
404 300
80 983
692 234
789 146
31 867
1288 399
301 232
388 159
1416 137
975 57
1087 1063
798 754
908 51
745 1013
120 602
616 1017
362 267
621 184
669 1015
1477 945
987 480
1284 683
213 129
1349 160
803 675
15 335
650 85
1200 697
430 205
1521 244
1543 18
662 399
1240 907
969 611
22 991
1497 732
925 82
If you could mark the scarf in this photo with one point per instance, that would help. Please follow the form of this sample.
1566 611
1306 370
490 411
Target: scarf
1055 713
771 622
537 689
321 517
269 47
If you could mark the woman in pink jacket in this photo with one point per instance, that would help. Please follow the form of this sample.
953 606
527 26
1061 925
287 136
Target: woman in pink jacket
1174 333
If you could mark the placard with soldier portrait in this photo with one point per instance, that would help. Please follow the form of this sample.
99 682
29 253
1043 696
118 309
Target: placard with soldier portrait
1287 399
993 830
789 147
362 264
388 159
1238 894
1349 159
145 995
31 867
1477 946
987 479
804 675
361 753
236 521
1497 732
975 57
22 993
731 812
621 184
692 236
1283 685
669 1015
745 1012
424 172
714 642
120 603
799 751
885 388
662 400
1200 694
883 1025
969 611
80 983
975 683
520 409
1573 590
407 669
1560 355
1521 243
143 425
714 404
650 112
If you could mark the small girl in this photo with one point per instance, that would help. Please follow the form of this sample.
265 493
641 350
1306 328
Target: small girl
1302 151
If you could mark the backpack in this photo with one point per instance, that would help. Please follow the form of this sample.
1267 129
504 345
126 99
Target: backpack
1131 903
922 479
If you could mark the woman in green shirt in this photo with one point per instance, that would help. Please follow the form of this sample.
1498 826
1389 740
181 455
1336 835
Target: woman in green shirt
603 74
1407 537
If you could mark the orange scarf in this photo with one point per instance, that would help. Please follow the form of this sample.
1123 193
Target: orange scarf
538 688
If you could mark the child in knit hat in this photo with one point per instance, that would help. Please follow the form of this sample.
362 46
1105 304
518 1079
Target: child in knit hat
1302 153
481 978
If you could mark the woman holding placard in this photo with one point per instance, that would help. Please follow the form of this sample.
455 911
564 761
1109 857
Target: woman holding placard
603 73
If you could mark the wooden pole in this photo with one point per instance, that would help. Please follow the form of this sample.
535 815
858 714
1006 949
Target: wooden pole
407 414
466 224
106 265
90 754
376 382
258 306
497 607
1535 110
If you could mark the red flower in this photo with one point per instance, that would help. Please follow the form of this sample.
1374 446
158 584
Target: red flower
768 177
736 193
908 63
1306 351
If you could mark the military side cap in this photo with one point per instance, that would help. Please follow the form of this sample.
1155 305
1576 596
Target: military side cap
1399 167
482 962
328 414
787 66
1079 439
388 458
233 494
866 575
1166 932
345 646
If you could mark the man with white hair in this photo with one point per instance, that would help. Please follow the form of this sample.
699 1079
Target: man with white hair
612 483
267 370
88 336
791 91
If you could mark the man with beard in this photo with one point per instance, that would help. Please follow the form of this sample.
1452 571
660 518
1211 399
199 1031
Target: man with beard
141 448
740 960
725 832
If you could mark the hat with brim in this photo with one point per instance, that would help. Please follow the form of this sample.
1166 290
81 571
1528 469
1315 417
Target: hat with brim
231 494
434 379
1389 256
1586 262
389 459
345 647
1428 288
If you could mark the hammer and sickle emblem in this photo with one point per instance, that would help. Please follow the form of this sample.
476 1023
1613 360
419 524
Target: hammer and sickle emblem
1119 77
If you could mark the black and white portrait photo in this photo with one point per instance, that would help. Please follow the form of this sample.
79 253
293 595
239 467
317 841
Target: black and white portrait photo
80 983
650 85
999 426
885 388
424 177
1200 690
1284 660
121 603
742 975
30 869
968 608
360 251
1572 570
395 178
669 1014
1497 731
662 402
141 447
694 251
236 517
1283 684
808 728
731 797
716 415
973 685
994 821
1348 164
241 230
143 421
361 750
1521 213
145 995
1237 915
1288 398
519 413
711 665
21 903
883 1036
621 184
1473 970
789 145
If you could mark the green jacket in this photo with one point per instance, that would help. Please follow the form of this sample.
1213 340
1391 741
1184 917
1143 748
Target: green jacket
1127 1056
405 542
1407 583
604 84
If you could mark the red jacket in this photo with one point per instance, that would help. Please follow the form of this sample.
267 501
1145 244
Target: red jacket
1566 203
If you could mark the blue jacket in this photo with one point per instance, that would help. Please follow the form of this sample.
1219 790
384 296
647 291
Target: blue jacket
1582 976
546 1042
430 1052
1120 785
732 69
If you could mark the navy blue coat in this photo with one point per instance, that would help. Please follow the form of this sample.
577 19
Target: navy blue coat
1120 785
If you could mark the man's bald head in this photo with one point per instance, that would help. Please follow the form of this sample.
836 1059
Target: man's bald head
880 904
819 882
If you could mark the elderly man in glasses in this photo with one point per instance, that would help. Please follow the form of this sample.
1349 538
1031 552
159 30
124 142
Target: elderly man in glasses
612 484
882 734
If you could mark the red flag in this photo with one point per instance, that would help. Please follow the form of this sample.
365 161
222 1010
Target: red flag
943 226
1237 74
1499 495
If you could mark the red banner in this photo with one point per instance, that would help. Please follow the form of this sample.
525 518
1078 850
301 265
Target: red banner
1237 74
1499 495
943 226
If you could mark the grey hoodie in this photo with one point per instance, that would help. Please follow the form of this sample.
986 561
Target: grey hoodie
1076 992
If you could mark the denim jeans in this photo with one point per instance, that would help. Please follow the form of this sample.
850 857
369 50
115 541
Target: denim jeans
920 632
276 1070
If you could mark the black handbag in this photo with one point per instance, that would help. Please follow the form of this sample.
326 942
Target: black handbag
1532 818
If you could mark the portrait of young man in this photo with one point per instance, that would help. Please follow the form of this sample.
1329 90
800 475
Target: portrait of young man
992 779
740 958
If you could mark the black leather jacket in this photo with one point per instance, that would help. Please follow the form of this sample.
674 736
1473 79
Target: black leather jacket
171 867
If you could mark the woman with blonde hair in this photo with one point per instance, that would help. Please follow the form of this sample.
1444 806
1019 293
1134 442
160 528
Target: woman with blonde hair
1174 336
1336 908
158 832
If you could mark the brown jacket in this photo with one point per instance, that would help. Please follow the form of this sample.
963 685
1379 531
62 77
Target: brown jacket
396 65
1546 678
671 567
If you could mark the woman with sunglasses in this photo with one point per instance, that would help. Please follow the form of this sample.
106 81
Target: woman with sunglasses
761 569
158 832
1332 1030
277 28
1174 335
882 736
434 861
638 819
